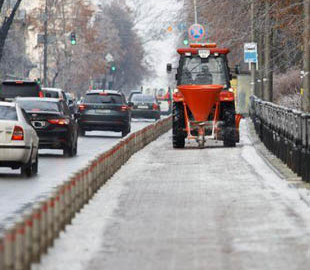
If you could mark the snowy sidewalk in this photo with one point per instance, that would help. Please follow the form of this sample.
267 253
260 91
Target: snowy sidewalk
216 208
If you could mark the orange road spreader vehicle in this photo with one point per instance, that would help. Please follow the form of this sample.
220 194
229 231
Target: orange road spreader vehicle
204 102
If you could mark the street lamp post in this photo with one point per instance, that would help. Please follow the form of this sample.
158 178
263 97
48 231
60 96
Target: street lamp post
45 51
195 11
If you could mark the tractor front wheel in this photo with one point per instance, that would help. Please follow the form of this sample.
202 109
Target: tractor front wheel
178 125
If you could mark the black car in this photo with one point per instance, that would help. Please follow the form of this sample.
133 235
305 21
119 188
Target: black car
53 122
12 89
145 106
105 110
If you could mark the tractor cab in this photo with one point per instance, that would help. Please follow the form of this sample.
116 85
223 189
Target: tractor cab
203 64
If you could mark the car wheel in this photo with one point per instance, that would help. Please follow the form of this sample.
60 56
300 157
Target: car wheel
69 150
35 165
81 132
75 147
27 169
126 131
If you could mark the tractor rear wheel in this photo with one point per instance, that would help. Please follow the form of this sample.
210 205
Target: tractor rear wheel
229 127
178 125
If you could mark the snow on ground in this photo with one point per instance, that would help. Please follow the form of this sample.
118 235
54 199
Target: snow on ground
214 208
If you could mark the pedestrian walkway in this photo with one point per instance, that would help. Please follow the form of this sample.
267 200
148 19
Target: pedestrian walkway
216 208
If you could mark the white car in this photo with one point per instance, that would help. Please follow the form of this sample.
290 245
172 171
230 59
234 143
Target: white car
18 140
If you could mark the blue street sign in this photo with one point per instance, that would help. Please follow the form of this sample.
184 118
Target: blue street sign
250 52
196 32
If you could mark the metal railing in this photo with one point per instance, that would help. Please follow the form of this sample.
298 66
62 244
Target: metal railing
285 132
31 234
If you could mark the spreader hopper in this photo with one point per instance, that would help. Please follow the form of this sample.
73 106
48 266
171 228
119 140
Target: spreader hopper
200 99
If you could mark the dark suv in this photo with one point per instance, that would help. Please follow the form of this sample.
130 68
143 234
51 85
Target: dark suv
105 110
53 122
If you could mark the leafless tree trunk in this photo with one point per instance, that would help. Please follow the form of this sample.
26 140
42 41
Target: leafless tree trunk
306 79
268 83
5 27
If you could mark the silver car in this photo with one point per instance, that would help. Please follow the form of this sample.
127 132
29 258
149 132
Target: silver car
18 140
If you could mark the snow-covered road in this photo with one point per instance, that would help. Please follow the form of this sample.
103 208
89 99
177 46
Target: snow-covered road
17 193
216 208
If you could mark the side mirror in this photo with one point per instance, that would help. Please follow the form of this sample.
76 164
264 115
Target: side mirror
130 104
169 68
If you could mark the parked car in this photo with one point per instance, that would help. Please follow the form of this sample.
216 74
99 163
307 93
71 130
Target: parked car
18 140
52 119
13 89
132 93
145 106
105 110
55 93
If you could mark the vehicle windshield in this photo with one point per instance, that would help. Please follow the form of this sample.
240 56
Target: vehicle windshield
39 106
110 99
143 99
200 71
8 113
50 94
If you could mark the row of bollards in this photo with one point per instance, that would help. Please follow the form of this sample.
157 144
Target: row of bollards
285 132
24 241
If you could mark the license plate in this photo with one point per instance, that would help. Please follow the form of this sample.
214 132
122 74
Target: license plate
143 107
103 111
39 124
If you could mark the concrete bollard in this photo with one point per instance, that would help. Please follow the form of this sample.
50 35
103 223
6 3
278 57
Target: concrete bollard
67 197
35 236
56 223
9 243
77 191
19 247
28 239
1 252
50 220
73 197
43 227
62 206
85 188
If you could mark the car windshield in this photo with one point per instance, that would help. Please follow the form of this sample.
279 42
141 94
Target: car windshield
112 99
8 113
50 94
200 71
143 99
39 106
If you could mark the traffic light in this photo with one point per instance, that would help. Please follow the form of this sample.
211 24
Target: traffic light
73 38
185 42
113 68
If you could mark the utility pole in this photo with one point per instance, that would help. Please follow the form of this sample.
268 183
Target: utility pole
195 11
268 78
306 75
253 65
45 51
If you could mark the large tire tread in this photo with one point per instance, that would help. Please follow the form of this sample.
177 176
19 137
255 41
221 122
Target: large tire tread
178 125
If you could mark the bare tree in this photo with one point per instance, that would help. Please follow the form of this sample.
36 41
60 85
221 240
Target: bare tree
6 24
